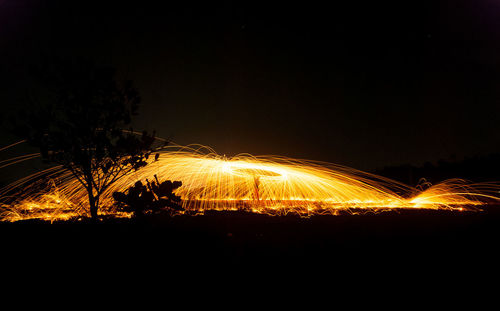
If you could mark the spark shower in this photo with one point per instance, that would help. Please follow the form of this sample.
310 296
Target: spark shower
272 185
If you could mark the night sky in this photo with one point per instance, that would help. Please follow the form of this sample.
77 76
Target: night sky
361 84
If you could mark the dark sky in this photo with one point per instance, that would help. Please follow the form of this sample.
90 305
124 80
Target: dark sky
360 84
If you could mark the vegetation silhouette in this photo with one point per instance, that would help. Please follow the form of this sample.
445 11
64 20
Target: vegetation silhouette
479 168
150 198
76 114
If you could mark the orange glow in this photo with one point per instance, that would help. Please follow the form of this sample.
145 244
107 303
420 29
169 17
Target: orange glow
265 184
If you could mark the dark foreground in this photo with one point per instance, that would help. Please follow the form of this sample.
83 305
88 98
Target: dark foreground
428 245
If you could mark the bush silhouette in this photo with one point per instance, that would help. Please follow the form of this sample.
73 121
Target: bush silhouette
151 197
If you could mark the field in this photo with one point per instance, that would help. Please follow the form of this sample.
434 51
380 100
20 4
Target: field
239 239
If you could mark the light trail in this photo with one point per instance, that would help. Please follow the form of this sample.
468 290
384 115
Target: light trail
272 185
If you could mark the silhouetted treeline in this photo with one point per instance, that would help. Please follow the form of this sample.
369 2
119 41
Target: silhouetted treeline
477 169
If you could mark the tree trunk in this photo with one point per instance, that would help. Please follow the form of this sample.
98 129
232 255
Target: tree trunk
92 203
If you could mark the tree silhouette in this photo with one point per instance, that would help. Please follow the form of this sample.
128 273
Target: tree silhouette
76 115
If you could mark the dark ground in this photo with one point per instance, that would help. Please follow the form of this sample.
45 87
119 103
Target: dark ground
428 246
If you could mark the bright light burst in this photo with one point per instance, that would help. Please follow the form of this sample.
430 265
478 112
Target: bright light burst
265 184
